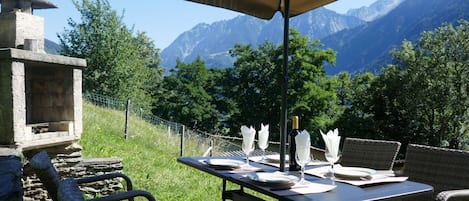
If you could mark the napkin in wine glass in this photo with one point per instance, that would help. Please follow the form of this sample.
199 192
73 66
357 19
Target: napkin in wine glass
332 141
263 136
248 135
303 144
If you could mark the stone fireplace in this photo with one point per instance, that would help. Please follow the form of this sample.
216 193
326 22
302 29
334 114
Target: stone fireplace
41 106
40 94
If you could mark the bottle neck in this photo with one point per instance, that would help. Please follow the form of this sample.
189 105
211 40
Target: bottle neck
295 123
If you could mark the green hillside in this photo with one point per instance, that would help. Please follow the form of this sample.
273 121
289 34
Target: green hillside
149 156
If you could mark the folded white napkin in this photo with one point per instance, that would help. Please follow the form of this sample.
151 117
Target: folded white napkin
263 136
303 145
248 135
332 141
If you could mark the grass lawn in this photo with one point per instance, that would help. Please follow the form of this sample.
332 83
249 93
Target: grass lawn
149 156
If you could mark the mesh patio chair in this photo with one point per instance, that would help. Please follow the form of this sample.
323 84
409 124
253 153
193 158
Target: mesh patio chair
46 172
376 154
68 190
447 170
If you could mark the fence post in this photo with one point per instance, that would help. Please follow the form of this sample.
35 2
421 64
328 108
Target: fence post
127 111
182 141
211 145
141 113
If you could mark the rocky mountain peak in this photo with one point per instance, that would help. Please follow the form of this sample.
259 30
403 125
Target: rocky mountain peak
375 10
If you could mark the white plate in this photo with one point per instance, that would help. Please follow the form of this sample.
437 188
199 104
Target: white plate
353 172
273 179
276 158
224 163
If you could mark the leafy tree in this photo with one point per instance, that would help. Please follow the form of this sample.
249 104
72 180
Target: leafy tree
357 120
253 85
343 88
118 62
185 97
256 80
422 98
225 107
437 73
311 95
152 84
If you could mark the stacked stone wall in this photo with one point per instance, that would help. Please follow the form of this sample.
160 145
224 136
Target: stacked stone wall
70 163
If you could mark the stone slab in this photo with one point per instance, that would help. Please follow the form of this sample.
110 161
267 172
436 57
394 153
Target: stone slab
9 152
35 57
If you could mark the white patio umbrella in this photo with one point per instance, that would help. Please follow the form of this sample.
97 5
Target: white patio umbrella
266 9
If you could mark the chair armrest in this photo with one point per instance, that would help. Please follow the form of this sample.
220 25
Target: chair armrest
68 190
90 179
447 195
125 195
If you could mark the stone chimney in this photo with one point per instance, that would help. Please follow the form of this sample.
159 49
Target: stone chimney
18 26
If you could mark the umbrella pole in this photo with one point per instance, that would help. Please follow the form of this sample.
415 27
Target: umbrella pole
284 88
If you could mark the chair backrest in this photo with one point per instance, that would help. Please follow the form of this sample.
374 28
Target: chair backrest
45 170
444 169
68 190
376 154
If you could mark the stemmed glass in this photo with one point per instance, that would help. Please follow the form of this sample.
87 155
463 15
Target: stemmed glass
248 147
263 139
303 157
263 147
332 141
331 158
248 141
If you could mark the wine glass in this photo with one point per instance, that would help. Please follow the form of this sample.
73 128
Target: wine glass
303 157
331 158
263 139
248 147
263 146
332 141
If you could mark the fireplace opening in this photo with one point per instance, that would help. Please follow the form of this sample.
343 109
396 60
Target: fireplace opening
49 98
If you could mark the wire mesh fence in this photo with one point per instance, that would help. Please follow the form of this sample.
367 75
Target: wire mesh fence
206 143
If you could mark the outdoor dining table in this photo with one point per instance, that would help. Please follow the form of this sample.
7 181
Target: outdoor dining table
342 191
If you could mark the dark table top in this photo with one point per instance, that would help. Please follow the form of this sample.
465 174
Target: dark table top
343 191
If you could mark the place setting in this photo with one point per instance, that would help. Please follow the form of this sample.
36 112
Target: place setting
224 164
248 144
274 160
263 143
230 165
358 176
286 183
282 183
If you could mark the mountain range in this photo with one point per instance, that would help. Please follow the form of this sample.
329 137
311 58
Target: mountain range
366 48
362 37
51 47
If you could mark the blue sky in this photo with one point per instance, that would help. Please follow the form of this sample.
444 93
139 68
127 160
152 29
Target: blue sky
162 20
